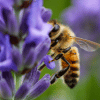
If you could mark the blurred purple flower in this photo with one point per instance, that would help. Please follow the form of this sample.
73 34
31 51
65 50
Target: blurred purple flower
84 19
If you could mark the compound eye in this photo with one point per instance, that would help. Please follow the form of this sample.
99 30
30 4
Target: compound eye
56 28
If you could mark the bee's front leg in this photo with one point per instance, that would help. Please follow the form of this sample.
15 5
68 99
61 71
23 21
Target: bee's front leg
61 54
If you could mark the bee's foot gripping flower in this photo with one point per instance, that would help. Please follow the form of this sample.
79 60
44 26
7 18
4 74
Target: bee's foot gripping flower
24 44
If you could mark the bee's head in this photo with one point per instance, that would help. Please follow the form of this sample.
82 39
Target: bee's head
55 28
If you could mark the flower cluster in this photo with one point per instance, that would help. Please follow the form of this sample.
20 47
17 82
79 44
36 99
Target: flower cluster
24 43
84 19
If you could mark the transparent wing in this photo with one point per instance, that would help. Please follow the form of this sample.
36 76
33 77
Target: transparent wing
87 44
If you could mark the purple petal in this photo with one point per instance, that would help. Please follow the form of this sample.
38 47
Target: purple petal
40 87
26 48
32 77
36 77
30 58
2 53
2 23
8 47
42 49
7 65
24 25
5 48
35 36
46 60
46 14
9 79
34 19
10 20
16 57
22 91
8 7
8 3
5 90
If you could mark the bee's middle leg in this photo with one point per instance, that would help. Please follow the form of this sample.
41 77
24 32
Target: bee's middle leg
63 71
60 55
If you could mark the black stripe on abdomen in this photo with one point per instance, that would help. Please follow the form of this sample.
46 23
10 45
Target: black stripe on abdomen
74 62
71 83
74 68
75 75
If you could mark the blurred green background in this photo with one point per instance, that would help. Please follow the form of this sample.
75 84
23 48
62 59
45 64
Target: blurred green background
88 88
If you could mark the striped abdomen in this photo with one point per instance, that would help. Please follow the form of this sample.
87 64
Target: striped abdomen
72 76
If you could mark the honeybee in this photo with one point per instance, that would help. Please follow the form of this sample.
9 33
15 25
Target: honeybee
62 39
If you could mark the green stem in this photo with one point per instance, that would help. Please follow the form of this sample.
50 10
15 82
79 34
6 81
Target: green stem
18 81
12 98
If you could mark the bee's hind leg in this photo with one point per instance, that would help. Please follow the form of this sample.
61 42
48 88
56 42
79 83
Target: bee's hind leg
60 73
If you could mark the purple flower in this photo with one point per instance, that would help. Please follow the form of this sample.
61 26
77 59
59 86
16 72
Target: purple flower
38 39
84 19
6 63
39 87
31 86
24 44
8 19
30 23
